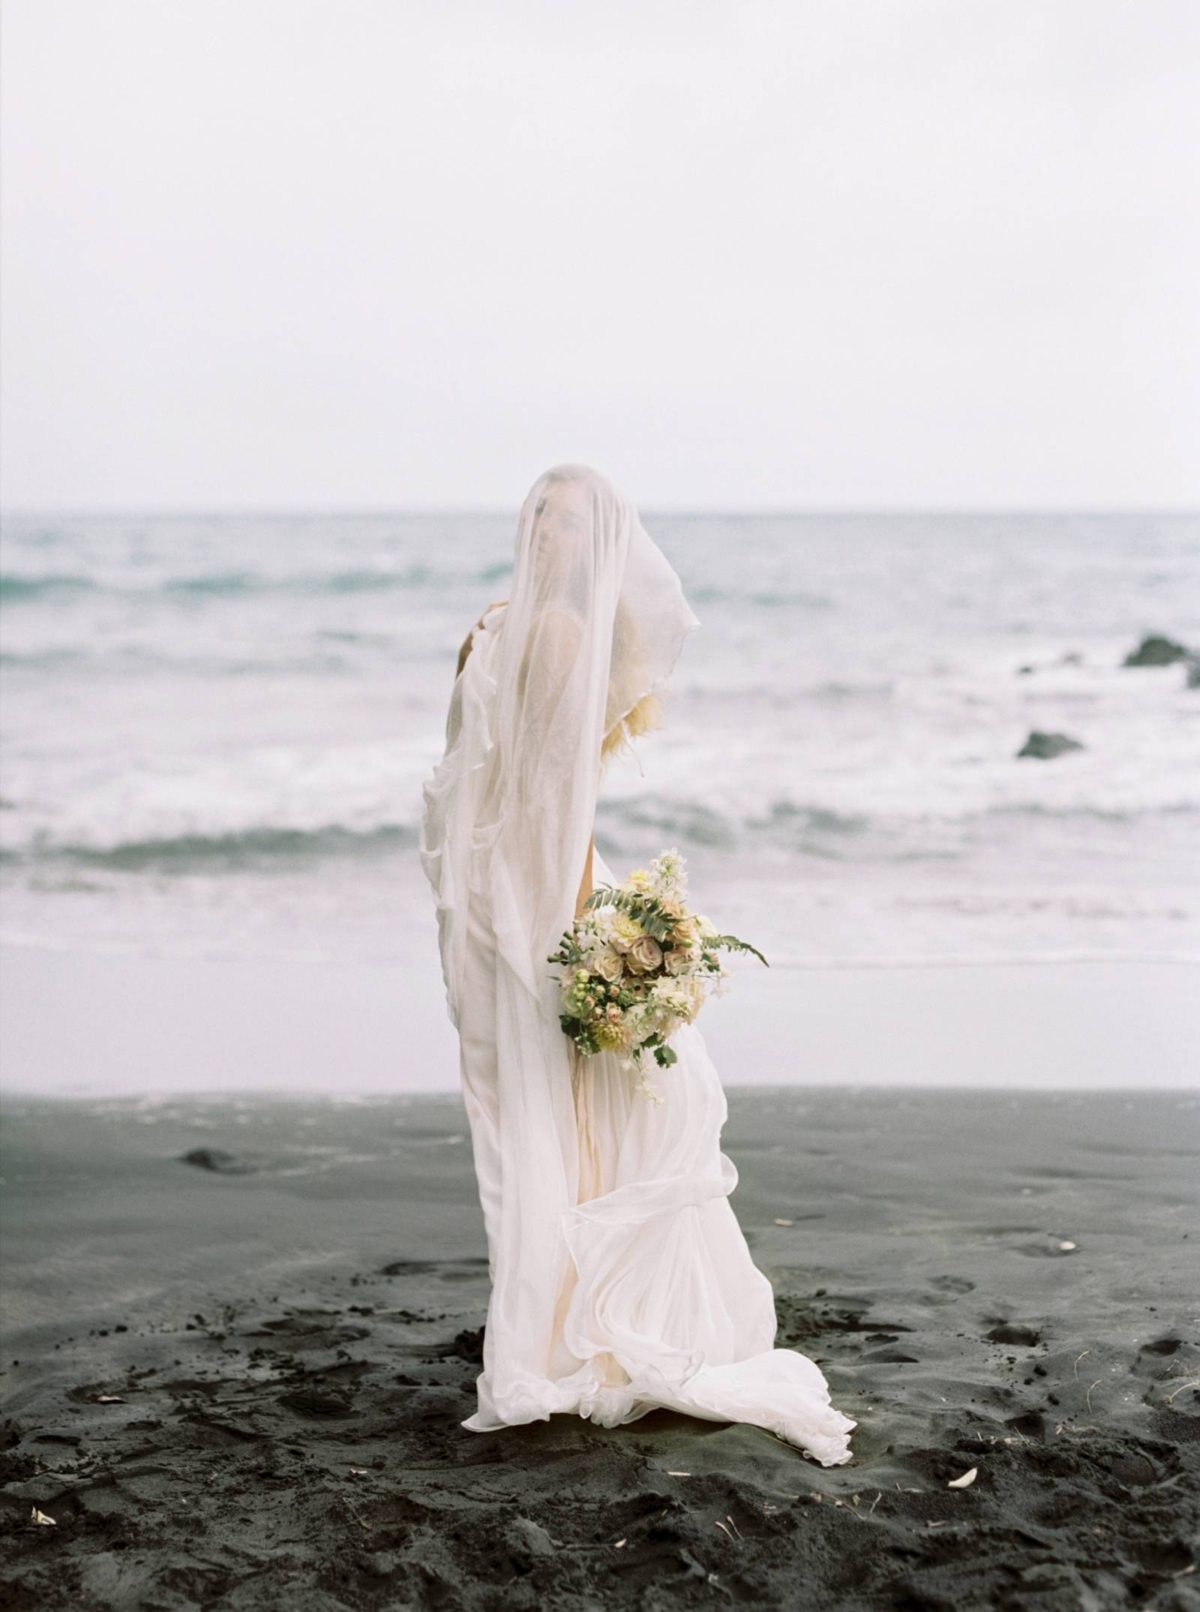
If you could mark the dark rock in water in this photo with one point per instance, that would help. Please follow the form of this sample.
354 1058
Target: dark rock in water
1045 746
1193 672
213 1158
1024 671
1155 650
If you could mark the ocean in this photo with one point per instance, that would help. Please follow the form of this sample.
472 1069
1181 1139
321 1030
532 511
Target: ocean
215 730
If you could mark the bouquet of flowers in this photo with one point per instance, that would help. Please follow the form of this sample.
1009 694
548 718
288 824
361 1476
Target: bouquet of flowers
638 964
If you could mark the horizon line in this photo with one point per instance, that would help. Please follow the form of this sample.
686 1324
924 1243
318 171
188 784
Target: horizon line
317 511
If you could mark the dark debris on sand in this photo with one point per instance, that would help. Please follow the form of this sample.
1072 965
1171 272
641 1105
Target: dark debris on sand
1000 1283
311 1456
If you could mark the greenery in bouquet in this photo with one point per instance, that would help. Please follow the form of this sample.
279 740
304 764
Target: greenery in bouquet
638 964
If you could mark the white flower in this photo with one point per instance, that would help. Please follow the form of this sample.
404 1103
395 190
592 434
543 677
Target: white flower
668 874
645 955
625 930
639 1022
608 964
671 1004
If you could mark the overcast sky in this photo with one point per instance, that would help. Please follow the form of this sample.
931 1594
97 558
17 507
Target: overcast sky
400 253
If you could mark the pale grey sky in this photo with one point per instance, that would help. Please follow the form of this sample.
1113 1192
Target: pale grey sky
381 253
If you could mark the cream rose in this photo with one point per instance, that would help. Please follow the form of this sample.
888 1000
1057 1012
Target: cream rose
677 962
608 964
645 955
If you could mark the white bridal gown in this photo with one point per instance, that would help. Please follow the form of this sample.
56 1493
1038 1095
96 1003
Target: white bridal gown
621 1281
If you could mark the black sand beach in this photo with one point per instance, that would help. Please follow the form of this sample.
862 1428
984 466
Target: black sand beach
241 1386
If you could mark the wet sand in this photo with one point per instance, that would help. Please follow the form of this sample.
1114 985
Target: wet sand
83 1024
242 1386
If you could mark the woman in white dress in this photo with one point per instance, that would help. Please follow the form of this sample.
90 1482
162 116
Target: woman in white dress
621 1281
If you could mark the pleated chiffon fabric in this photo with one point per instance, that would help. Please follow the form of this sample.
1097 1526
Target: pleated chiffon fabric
621 1281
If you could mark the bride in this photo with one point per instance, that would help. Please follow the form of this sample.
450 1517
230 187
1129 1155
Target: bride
621 1281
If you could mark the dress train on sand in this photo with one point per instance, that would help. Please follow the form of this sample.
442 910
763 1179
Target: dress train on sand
660 1304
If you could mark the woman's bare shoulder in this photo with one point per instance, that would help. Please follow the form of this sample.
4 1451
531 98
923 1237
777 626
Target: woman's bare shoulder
469 640
496 604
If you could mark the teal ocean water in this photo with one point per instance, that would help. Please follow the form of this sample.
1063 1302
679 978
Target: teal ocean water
215 731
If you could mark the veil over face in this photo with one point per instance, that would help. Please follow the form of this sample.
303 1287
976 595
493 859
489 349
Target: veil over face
595 621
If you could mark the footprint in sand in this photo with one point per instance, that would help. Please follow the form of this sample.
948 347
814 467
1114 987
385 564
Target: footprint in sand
449 1270
1164 1376
1009 1332
947 1289
317 1402
310 1330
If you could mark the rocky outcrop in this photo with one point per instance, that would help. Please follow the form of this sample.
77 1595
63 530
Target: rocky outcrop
1155 650
1045 746
217 1160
